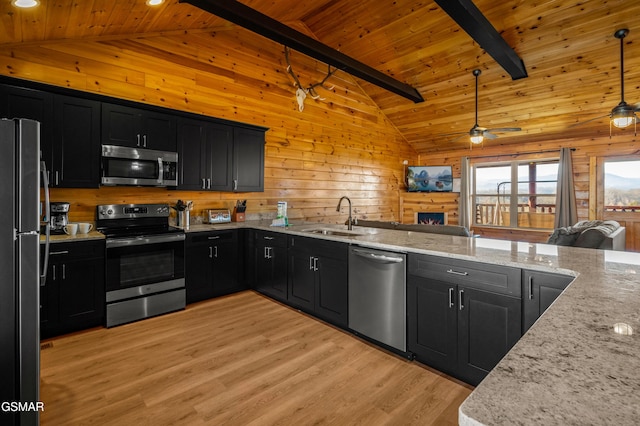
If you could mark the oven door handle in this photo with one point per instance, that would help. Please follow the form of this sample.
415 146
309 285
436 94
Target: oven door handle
139 241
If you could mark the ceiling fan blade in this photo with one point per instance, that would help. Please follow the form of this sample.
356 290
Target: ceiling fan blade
451 134
580 123
489 135
458 138
636 107
505 129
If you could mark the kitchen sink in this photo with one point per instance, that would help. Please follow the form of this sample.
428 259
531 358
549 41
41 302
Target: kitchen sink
336 232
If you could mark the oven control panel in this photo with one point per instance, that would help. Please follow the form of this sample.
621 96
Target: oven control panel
127 211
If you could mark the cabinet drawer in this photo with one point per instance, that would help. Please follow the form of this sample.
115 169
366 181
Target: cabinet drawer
483 276
320 247
75 250
271 238
212 237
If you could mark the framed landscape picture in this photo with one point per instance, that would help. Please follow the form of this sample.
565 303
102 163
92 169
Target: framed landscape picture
429 179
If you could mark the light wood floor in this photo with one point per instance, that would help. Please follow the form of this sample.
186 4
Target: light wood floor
237 360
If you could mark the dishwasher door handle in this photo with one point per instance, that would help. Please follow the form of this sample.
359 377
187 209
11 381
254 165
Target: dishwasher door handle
377 257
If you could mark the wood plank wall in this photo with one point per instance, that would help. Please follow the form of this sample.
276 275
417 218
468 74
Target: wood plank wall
585 174
342 145
339 146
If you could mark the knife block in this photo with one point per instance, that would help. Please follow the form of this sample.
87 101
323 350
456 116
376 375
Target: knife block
237 216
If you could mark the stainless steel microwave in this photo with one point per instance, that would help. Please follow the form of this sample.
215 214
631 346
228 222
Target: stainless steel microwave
123 165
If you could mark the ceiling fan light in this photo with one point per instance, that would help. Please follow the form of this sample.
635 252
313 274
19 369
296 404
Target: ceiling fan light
623 116
476 139
154 2
25 3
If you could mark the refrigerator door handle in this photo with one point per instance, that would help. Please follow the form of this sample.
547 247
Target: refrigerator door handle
45 183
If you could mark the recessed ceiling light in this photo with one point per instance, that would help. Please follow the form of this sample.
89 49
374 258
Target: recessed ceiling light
154 2
25 3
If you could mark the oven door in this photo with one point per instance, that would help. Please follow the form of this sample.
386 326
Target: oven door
138 262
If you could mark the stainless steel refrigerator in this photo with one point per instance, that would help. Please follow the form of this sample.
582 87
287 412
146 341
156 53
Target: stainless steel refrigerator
20 276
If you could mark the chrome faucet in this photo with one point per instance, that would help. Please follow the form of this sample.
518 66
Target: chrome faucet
350 220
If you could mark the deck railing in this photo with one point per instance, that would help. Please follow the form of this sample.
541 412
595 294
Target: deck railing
540 216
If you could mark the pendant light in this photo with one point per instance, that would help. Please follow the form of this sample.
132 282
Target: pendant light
623 115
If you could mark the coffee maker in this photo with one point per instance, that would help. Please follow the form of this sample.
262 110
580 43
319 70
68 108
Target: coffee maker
59 216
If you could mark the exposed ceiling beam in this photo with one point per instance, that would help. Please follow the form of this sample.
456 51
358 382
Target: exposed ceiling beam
470 19
239 14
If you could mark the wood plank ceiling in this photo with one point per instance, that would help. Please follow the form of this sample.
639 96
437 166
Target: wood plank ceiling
567 47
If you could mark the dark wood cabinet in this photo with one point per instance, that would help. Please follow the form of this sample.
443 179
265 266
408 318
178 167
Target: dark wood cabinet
540 290
138 128
219 157
318 278
463 317
73 296
248 160
75 156
205 154
488 327
211 266
270 264
69 133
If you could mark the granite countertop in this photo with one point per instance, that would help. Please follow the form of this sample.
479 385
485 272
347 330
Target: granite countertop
570 367
64 238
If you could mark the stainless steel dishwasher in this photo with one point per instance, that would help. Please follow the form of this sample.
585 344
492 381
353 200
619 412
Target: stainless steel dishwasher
377 296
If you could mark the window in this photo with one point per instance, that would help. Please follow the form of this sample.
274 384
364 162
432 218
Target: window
515 194
621 186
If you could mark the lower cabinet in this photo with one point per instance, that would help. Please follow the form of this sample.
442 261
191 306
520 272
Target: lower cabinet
211 265
270 260
73 296
454 324
318 278
540 289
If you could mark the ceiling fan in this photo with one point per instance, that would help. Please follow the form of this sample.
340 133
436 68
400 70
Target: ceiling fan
623 114
477 134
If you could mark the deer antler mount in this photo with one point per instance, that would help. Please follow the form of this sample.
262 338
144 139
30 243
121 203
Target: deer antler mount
301 91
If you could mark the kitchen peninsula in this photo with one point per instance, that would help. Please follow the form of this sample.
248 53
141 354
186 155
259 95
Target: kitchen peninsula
570 367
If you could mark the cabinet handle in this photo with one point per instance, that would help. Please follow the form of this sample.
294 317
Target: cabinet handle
57 178
315 264
267 252
215 237
209 183
138 139
64 271
311 263
204 186
461 299
268 238
59 252
530 287
235 184
53 272
451 293
451 271
144 141
210 252
215 251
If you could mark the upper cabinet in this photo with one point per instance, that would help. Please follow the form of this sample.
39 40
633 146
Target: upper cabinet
248 160
138 128
69 133
75 159
213 154
219 157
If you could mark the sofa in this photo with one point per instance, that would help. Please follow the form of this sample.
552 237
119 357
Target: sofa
598 234
432 229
